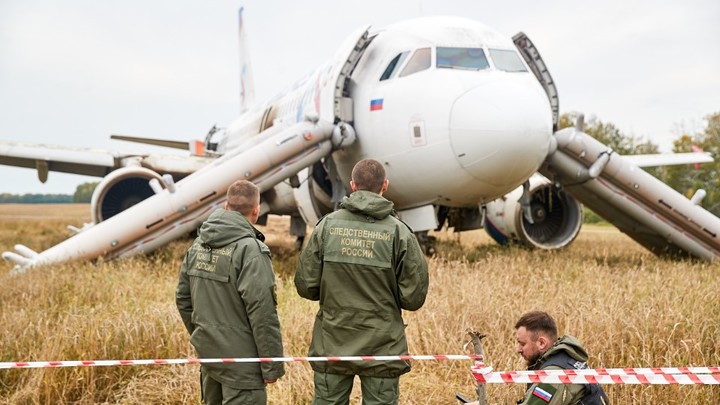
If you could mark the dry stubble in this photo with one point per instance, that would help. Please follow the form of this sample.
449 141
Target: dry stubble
629 308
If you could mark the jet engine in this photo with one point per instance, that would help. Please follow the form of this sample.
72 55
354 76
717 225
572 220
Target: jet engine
543 216
313 195
120 190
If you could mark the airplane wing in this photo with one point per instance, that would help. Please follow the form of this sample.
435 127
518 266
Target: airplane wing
92 162
668 159
641 206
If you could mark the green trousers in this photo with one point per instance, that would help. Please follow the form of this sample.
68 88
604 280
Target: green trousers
214 393
334 389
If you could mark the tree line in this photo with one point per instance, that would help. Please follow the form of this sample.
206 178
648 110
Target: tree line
685 179
83 194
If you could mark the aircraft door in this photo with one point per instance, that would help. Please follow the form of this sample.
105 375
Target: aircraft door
333 105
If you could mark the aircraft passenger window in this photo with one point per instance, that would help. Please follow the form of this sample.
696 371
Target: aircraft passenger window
394 65
507 60
462 58
420 61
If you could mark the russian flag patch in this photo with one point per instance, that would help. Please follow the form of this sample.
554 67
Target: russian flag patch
376 104
542 394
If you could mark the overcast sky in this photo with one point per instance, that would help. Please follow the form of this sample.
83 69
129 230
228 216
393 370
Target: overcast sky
74 71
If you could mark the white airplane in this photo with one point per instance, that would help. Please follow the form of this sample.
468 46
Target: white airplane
459 115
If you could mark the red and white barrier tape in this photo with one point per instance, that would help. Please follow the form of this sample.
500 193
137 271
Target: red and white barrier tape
93 363
619 371
663 375
668 375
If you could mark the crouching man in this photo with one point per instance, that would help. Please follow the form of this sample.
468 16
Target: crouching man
539 345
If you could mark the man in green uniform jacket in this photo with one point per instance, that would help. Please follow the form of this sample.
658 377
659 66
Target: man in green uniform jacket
226 298
538 344
364 266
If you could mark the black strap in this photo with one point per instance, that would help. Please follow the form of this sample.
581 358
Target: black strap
594 394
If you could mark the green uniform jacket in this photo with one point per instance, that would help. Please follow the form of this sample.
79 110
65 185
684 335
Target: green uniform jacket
562 394
364 266
226 298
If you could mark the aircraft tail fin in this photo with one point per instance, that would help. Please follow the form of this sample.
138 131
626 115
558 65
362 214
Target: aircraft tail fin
247 86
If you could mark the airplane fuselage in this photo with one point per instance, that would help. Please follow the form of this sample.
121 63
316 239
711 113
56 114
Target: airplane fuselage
446 104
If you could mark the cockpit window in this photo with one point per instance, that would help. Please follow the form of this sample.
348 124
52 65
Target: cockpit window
394 65
462 58
420 60
507 60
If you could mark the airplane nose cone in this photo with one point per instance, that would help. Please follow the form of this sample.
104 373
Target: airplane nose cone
500 131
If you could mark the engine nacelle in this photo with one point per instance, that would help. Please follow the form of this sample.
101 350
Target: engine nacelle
120 190
557 216
313 196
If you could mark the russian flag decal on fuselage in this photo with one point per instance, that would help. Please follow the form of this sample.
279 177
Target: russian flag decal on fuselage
376 104
542 394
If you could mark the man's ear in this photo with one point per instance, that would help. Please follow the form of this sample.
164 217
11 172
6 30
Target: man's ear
353 187
385 185
543 342
225 206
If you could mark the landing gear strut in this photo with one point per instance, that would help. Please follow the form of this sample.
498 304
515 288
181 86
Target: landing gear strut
299 230
299 242
427 242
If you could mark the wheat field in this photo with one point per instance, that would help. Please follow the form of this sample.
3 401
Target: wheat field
628 307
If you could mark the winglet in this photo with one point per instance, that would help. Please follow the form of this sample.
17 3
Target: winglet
247 86
696 149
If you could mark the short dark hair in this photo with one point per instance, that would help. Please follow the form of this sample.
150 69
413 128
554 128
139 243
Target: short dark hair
538 321
243 196
368 174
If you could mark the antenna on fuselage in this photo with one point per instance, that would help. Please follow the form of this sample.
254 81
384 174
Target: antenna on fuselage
247 85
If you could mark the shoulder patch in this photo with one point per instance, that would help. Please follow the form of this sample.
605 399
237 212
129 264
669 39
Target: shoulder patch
541 394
